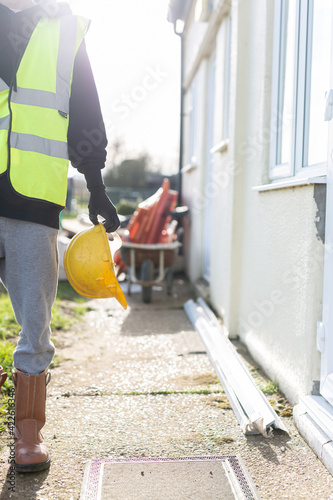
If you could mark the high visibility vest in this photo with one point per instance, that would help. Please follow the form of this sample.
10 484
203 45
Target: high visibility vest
34 111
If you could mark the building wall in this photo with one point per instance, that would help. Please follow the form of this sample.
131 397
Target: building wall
281 290
193 179
266 254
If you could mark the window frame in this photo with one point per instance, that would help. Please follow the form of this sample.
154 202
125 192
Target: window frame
280 170
301 78
307 43
193 122
223 132
227 77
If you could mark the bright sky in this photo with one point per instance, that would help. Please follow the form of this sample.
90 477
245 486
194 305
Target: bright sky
135 57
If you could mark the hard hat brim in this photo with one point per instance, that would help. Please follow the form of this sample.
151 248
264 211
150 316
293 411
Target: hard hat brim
89 266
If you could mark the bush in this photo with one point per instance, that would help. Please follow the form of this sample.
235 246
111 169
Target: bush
126 207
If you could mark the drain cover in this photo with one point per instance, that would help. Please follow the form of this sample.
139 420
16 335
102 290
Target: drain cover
189 478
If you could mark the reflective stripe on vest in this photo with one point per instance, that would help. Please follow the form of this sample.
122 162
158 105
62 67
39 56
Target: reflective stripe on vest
32 97
39 111
4 123
26 142
3 85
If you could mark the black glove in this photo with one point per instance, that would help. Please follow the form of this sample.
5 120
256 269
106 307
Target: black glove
99 202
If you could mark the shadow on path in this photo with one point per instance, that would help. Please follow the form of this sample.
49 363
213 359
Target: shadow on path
23 486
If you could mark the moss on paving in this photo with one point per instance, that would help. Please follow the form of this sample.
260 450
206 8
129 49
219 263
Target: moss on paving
168 392
269 388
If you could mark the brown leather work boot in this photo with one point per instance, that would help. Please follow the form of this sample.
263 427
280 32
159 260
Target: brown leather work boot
31 453
3 377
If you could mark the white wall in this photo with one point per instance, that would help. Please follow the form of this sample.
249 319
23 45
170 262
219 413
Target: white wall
266 259
195 34
229 166
281 290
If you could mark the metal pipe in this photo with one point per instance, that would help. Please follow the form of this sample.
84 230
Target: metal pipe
181 132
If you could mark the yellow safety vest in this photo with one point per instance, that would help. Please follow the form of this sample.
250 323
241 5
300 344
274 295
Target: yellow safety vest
34 113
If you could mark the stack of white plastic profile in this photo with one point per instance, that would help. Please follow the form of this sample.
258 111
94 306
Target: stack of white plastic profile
253 411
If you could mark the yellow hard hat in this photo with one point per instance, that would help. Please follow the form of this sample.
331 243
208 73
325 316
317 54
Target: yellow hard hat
89 265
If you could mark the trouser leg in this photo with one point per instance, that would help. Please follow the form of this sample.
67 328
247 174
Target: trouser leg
29 270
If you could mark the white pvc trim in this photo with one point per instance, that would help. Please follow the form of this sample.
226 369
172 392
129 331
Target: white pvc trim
250 406
291 183
321 412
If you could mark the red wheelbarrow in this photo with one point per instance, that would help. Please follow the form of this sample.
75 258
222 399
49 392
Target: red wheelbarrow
153 262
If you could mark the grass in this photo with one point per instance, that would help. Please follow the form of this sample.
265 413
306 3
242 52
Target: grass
66 292
8 326
64 317
3 413
56 361
6 355
69 308
64 313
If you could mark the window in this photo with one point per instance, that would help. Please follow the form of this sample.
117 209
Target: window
301 70
317 81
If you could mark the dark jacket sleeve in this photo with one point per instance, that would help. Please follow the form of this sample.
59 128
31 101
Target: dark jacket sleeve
86 132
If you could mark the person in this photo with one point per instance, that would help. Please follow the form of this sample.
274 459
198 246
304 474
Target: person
49 115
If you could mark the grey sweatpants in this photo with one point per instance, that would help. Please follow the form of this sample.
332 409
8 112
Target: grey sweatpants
29 271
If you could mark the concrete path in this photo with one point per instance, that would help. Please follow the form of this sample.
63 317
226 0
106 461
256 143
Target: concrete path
138 383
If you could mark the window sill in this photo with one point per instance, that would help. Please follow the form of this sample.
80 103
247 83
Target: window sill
285 183
221 147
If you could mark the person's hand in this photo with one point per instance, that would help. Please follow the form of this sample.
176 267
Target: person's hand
100 204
